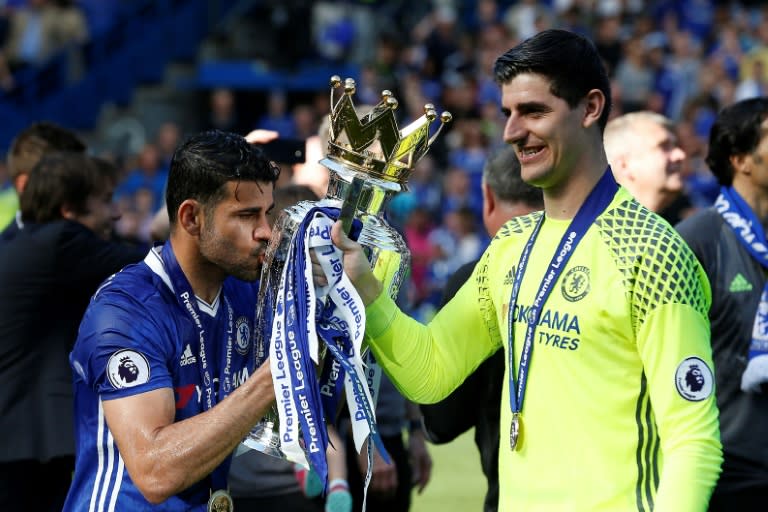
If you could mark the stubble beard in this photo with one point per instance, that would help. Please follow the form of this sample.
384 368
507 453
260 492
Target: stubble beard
214 250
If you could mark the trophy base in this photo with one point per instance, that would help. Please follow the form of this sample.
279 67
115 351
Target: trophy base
265 438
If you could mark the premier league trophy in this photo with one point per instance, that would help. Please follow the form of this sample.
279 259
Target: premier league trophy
370 160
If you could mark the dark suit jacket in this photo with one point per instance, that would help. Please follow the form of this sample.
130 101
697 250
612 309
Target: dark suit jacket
10 230
48 273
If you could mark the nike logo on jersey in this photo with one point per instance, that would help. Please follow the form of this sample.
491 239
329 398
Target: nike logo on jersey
740 284
187 357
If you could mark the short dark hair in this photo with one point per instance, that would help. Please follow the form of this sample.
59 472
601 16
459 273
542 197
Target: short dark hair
502 175
29 146
108 170
736 131
204 163
59 179
569 61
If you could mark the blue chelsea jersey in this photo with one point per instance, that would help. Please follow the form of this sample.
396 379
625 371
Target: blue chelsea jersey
135 337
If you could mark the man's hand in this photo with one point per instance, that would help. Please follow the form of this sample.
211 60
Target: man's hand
421 461
384 477
261 136
356 265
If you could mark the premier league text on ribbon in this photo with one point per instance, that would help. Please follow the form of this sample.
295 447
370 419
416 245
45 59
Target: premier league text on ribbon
298 384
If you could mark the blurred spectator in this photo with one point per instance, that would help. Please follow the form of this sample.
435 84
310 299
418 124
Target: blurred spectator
608 41
418 226
149 175
754 84
758 50
304 122
472 150
701 186
424 192
48 271
521 17
647 160
368 89
27 148
633 77
168 137
462 61
334 31
437 32
454 242
386 56
727 51
678 80
696 17
40 29
135 224
485 14
223 113
458 192
277 117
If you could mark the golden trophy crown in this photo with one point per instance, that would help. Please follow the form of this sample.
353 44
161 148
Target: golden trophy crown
373 144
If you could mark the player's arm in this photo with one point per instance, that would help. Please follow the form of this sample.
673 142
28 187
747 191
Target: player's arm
447 419
674 345
424 362
163 457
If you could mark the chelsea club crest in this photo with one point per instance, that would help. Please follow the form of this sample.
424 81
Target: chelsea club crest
575 285
242 335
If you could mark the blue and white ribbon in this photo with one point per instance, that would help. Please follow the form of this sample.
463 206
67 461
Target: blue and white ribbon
748 229
336 315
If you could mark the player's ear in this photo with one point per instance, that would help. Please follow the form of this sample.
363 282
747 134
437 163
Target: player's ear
594 104
739 163
489 201
190 216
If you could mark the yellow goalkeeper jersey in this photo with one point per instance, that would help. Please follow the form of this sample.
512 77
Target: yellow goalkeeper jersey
619 412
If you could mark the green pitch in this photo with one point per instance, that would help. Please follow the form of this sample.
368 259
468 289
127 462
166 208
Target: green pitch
458 483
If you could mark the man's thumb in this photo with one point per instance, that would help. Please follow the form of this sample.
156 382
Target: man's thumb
340 238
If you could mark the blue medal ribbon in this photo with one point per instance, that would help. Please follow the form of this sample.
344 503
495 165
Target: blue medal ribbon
597 201
188 302
749 231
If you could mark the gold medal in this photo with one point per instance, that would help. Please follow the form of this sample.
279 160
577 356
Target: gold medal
516 431
221 501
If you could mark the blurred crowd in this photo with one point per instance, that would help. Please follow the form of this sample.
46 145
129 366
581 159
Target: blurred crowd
686 59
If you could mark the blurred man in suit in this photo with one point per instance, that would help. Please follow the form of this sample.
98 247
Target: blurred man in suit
646 159
49 268
27 148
